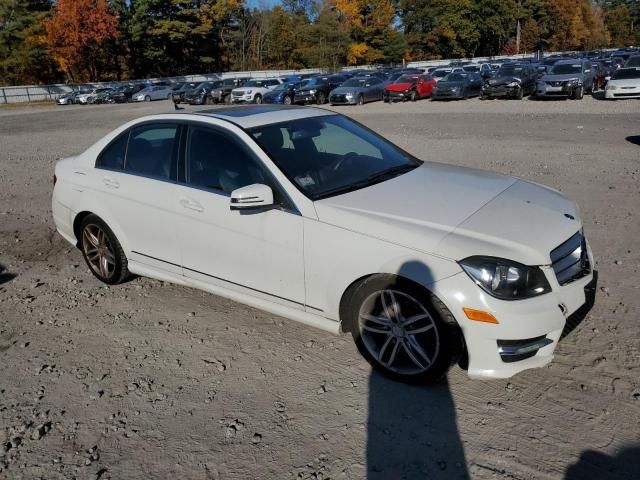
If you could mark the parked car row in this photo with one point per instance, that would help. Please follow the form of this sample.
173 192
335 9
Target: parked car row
557 76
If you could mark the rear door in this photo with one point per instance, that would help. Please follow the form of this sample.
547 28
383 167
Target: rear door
136 177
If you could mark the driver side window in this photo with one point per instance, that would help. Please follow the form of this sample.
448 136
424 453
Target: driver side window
216 161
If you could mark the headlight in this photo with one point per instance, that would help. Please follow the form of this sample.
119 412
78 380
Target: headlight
610 87
575 82
506 279
312 92
455 89
513 84
349 95
248 92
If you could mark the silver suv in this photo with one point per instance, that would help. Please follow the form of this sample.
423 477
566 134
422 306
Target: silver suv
567 78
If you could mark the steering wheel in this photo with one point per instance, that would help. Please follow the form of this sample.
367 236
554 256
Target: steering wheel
346 159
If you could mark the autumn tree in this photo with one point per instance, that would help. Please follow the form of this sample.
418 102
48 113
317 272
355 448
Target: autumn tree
619 22
76 32
23 51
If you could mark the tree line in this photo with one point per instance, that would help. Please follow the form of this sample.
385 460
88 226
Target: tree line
47 41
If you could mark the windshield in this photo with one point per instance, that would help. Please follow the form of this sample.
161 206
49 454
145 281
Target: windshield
455 77
285 86
510 70
329 155
471 68
566 68
440 73
254 83
354 82
313 82
394 76
626 73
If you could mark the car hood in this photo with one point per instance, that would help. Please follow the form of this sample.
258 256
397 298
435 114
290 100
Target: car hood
398 87
625 82
503 80
345 90
456 212
561 78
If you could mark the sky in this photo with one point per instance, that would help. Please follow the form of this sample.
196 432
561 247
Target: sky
261 3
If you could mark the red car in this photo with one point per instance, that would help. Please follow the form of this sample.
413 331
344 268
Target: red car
409 87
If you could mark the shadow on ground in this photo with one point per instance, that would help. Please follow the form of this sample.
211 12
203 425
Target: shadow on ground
597 465
5 276
635 139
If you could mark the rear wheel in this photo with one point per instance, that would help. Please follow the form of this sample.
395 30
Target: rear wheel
401 329
102 251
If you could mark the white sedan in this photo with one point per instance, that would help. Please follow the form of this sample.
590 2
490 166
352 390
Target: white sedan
307 214
624 83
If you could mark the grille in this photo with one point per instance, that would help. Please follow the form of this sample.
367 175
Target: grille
570 260
339 98
555 83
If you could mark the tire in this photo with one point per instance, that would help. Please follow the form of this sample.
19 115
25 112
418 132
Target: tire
385 99
578 93
322 98
208 100
414 96
147 98
257 99
110 266
227 99
394 354
465 94
360 100
287 100
520 94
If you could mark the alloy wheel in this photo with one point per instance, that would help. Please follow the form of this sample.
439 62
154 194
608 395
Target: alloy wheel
398 332
98 251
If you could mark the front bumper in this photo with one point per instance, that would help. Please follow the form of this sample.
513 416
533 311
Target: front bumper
340 99
273 100
501 91
562 90
622 92
521 323
446 94
242 98
396 96
200 100
305 98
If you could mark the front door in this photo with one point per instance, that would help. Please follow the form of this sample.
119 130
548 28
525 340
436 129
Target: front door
256 253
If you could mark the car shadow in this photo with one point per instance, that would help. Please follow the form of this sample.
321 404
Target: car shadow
6 277
591 464
412 429
635 139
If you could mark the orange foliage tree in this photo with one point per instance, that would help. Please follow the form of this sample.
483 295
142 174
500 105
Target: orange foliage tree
77 33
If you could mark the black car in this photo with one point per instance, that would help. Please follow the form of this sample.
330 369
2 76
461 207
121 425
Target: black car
201 93
316 89
178 95
123 94
513 80
458 85
222 93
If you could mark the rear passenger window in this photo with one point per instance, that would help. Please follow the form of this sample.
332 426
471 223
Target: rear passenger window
112 157
151 151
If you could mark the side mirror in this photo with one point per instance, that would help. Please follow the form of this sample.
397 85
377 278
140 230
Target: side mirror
252 197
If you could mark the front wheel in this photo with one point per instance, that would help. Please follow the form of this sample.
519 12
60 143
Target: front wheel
414 96
322 98
102 251
401 329
147 98
257 99
287 100
578 93
360 100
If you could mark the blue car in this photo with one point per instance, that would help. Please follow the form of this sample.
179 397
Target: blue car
283 94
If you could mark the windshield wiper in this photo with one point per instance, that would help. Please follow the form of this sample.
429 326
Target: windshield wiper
368 181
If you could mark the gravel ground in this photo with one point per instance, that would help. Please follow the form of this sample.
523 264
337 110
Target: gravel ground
150 380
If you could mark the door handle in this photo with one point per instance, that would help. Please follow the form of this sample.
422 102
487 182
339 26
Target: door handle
191 204
110 182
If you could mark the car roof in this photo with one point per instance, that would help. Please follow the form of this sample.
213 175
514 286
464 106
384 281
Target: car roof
250 116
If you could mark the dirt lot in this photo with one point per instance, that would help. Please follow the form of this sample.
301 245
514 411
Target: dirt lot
149 380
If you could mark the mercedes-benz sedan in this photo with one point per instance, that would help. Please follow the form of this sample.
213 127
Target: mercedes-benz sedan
309 215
